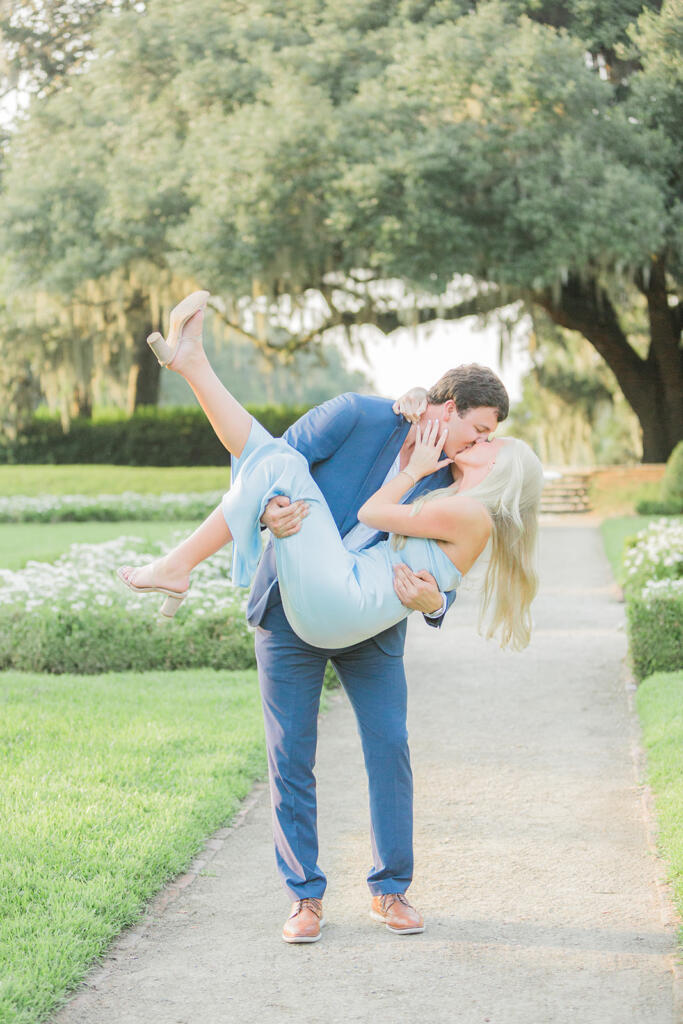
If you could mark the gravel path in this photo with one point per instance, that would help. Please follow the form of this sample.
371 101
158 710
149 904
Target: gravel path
535 869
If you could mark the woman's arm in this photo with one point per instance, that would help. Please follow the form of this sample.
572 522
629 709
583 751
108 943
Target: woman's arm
439 519
442 518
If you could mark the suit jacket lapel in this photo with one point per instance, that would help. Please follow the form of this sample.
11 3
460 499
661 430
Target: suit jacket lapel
377 472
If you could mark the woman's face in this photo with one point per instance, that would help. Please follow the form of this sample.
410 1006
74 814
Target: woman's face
479 460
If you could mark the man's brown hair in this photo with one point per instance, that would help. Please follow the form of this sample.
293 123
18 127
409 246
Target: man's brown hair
471 386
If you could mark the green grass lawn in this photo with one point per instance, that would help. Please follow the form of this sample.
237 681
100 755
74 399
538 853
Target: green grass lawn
615 532
44 542
659 700
99 479
110 785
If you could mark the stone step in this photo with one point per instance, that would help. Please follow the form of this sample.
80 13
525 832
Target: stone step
558 506
566 492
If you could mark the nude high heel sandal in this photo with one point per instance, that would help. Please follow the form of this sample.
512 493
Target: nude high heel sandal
165 350
174 598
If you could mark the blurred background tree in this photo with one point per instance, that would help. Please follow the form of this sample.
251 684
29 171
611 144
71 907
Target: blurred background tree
572 411
334 164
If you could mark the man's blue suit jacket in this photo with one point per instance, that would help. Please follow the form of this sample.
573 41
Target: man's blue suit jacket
350 444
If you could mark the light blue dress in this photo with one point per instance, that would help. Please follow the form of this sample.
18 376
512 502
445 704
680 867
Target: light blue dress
332 597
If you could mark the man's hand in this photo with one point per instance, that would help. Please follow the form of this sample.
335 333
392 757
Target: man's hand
282 517
417 590
411 405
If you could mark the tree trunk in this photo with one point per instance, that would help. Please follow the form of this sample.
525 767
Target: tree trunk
652 386
81 403
666 355
148 376
144 375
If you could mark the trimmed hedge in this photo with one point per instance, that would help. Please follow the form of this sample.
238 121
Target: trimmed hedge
655 627
670 502
153 436
659 508
672 481
102 640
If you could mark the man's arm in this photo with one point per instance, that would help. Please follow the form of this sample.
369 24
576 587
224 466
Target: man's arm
317 435
320 432
419 592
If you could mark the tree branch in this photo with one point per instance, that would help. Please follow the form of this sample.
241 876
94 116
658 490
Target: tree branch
586 308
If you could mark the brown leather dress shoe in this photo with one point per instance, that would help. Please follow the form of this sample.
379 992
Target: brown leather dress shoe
396 913
305 921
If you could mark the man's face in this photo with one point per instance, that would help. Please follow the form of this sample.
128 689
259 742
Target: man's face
464 431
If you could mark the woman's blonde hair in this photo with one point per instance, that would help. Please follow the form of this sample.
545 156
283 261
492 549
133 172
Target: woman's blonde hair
511 493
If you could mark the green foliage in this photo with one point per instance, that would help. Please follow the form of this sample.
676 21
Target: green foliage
655 627
659 700
45 542
101 639
572 411
43 41
94 479
165 436
672 483
652 576
654 507
284 155
670 502
308 377
109 508
116 781
331 680
619 533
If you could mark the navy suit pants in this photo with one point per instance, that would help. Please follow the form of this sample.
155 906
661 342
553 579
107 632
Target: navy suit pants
291 677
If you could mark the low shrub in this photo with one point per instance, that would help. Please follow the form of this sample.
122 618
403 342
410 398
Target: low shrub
153 436
655 553
75 616
670 500
672 482
105 640
655 626
659 508
110 508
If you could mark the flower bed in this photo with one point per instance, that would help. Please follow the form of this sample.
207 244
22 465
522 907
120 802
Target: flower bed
75 616
653 575
108 507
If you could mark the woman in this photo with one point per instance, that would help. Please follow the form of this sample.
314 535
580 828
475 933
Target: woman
332 597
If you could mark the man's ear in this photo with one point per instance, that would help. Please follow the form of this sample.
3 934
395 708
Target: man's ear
449 410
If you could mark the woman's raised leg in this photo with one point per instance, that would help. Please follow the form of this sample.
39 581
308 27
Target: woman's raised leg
229 419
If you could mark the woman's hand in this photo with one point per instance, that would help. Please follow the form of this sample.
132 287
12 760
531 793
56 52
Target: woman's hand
426 455
411 405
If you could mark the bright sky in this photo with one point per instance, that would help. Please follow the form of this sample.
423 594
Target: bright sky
407 358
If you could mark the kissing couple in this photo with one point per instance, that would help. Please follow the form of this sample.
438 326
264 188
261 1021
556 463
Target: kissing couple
375 510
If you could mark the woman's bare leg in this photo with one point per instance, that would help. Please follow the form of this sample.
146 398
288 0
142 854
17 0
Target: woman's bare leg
173 569
229 419
232 424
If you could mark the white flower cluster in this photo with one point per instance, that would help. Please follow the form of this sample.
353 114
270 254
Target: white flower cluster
129 505
656 555
84 578
662 588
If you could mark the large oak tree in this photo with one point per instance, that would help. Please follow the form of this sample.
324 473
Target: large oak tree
339 162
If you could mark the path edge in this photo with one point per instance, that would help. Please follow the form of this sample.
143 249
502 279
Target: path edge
129 938
670 915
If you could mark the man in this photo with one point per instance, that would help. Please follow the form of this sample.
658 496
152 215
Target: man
353 443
